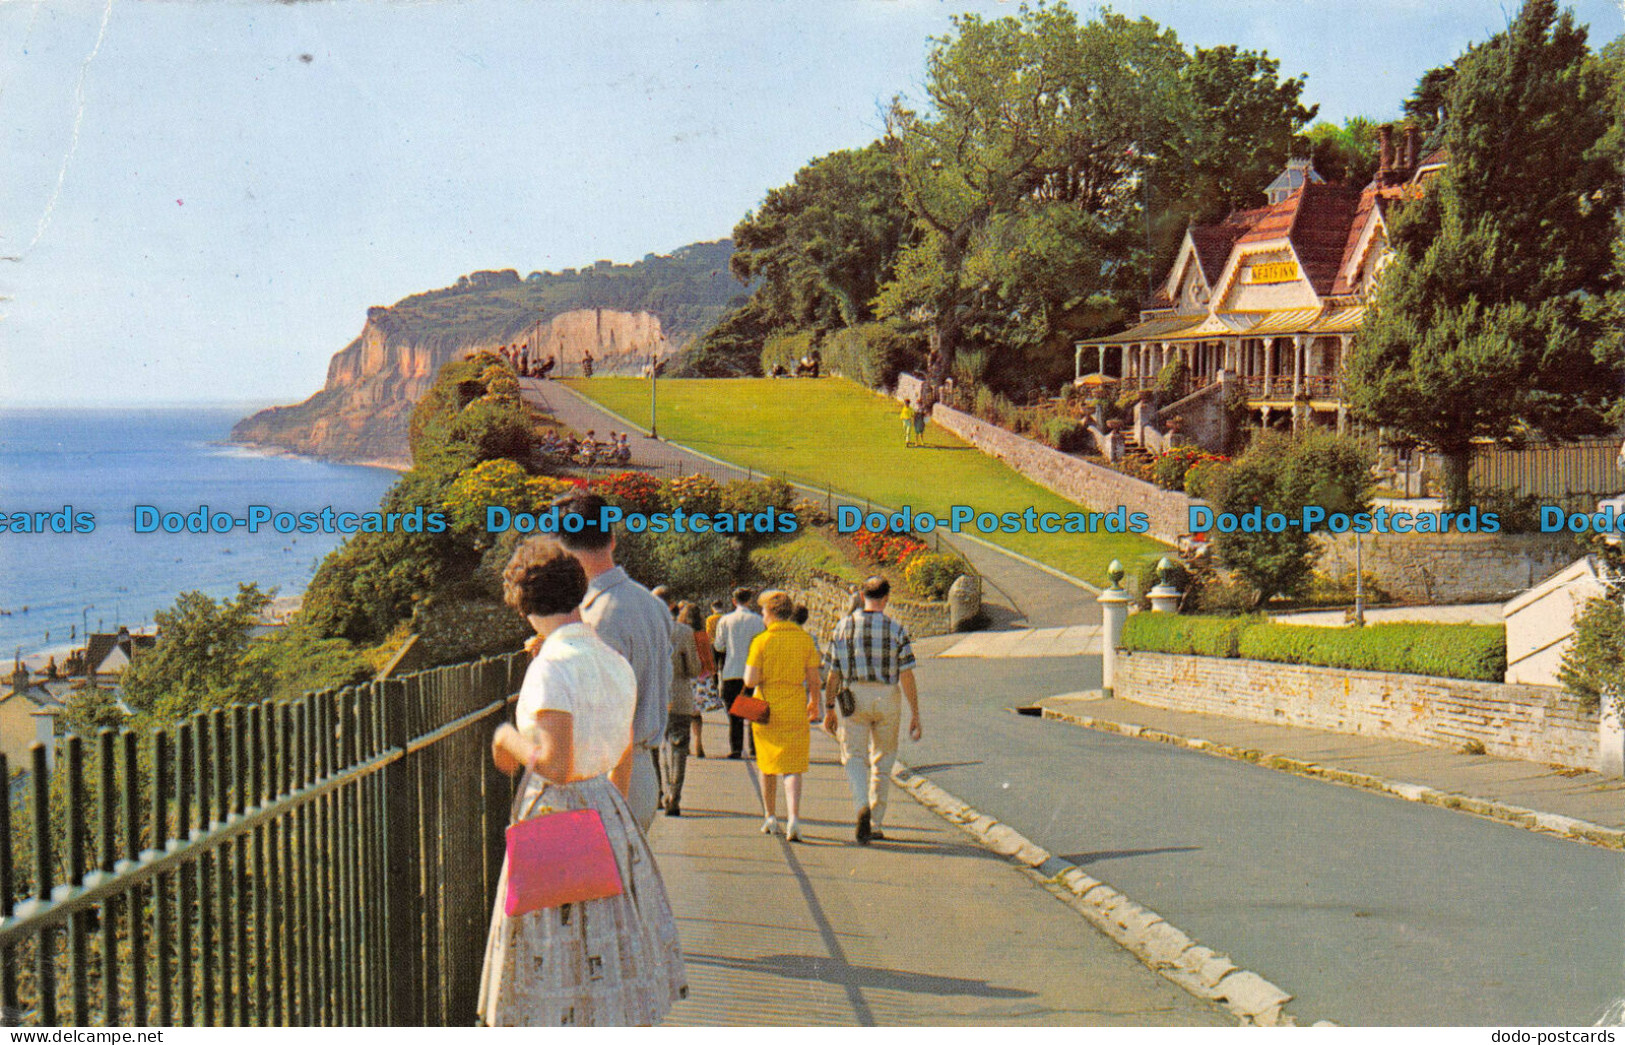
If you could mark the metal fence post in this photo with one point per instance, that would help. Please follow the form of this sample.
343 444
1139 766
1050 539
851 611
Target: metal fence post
401 843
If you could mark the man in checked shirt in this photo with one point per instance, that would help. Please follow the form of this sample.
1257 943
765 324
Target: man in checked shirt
869 653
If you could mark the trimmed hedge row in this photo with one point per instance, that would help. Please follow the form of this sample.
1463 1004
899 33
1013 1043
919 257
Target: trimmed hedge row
1459 651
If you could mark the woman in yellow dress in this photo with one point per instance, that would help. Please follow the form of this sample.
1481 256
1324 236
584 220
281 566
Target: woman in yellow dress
783 666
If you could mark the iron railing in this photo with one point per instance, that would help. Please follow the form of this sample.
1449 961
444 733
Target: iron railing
330 860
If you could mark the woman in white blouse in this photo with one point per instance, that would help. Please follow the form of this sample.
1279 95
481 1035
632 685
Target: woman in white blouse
608 962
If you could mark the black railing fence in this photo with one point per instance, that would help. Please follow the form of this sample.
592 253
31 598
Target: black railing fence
330 860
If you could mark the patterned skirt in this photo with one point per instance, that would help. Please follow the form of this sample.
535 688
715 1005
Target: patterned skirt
613 962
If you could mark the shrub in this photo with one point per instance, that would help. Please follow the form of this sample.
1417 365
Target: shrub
693 493
931 574
870 353
1462 651
786 349
695 565
1284 473
1203 477
1594 665
887 549
1177 633
1224 596
1517 513
632 491
743 495
796 563
1324 590
1173 380
1066 435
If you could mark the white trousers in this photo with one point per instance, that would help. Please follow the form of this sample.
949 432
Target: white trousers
869 745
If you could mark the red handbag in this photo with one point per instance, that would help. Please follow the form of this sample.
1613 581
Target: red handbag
559 858
752 709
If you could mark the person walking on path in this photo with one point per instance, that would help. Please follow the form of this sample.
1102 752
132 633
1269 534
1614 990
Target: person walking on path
735 632
907 417
870 655
688 615
917 421
637 626
614 961
681 713
783 667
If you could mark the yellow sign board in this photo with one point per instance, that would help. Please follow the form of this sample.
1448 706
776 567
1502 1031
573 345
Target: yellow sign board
1273 272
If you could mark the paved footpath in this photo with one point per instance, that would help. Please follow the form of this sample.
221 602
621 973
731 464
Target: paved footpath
924 928
1589 797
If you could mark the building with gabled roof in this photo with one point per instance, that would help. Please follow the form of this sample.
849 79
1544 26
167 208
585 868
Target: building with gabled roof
1271 297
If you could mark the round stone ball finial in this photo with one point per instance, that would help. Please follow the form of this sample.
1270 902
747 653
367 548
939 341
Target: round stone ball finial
1115 571
1165 566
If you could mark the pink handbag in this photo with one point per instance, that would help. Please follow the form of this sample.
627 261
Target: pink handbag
559 858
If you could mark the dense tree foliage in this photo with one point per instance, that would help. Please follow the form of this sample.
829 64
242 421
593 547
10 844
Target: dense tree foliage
818 249
1498 265
1346 154
1055 165
199 660
470 437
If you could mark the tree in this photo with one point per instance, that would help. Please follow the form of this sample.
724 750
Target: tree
1483 326
818 249
1285 473
1057 163
1241 123
1029 108
1428 105
1346 154
198 662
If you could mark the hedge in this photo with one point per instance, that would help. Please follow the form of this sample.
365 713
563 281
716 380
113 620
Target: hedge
1175 633
1461 651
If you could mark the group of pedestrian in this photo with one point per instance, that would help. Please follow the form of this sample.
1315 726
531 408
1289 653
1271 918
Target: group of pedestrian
609 711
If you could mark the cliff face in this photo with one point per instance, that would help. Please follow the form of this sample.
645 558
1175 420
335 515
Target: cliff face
362 413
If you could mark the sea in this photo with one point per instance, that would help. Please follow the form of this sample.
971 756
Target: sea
109 461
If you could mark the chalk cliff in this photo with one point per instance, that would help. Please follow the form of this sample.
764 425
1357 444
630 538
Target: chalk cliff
625 315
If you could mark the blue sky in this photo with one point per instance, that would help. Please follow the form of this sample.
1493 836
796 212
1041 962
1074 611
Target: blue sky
200 200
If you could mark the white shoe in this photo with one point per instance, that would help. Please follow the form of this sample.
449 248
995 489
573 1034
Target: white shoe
770 825
793 831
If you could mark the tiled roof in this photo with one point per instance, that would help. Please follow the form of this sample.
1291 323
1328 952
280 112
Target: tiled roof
1213 243
1316 221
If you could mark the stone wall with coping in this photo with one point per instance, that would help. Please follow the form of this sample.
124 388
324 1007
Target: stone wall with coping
1450 567
1534 723
827 602
1102 489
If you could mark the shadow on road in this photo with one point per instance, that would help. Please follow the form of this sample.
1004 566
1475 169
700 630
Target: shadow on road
841 974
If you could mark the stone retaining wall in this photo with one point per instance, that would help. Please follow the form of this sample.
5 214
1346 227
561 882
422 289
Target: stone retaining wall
1102 489
1451 567
1535 723
827 602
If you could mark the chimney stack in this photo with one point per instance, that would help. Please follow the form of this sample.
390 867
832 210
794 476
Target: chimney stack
1413 148
1385 151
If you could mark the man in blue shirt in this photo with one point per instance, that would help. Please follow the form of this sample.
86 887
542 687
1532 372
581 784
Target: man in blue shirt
634 623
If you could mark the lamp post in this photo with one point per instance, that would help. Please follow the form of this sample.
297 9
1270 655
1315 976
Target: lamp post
654 374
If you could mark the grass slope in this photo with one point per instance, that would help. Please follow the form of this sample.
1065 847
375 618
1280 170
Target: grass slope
833 432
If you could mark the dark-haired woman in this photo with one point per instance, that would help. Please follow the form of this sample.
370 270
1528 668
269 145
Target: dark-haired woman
608 962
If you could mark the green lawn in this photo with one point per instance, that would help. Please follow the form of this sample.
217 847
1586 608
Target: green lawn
833 432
